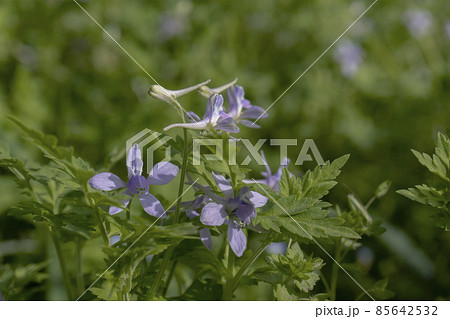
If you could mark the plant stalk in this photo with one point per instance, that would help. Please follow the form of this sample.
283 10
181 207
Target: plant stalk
62 264
248 263
168 254
335 272
79 266
228 291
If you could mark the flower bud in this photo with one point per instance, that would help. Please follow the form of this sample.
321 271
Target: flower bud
170 96
206 92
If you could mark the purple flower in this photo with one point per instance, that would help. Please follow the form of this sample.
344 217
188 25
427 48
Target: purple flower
214 119
418 22
350 57
162 173
272 181
114 239
191 207
239 211
241 109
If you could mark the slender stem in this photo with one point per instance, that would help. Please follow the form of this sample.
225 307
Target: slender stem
168 254
248 263
325 282
335 272
62 264
78 266
169 278
228 291
370 202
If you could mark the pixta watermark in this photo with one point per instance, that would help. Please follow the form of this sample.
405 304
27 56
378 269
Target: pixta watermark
212 149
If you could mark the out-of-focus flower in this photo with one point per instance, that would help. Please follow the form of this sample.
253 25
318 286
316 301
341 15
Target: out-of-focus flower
272 181
447 29
162 173
234 211
241 110
349 56
214 119
418 22
277 248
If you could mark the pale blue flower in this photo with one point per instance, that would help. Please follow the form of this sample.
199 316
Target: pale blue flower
272 181
241 110
162 173
349 56
237 211
418 22
215 118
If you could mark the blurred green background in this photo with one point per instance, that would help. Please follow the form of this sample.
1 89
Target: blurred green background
380 91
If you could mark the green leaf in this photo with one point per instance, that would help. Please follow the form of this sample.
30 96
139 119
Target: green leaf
379 290
437 194
297 274
78 169
427 195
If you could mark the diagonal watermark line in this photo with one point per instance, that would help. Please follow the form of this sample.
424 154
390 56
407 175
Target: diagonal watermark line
137 239
316 60
315 241
126 52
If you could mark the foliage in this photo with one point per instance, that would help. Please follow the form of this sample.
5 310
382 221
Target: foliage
79 86
437 194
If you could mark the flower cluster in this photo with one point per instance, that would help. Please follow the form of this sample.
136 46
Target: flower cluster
237 207
240 111
235 211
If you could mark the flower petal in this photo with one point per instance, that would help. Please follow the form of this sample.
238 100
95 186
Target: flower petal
236 238
245 212
192 117
235 97
114 239
106 182
257 199
191 213
250 124
134 161
151 205
205 236
213 214
162 173
114 210
254 112
223 185
227 125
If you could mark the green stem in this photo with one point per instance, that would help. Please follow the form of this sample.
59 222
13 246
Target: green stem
62 264
228 291
325 282
168 254
169 278
335 272
248 263
78 266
